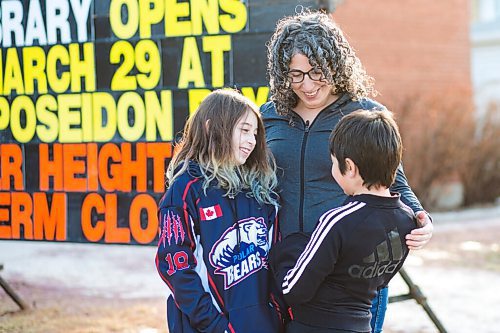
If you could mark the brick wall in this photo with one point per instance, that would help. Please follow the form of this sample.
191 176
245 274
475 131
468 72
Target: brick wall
411 46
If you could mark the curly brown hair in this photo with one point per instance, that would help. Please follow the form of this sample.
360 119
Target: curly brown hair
315 35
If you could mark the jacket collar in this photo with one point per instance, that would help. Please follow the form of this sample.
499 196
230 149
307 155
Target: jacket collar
378 201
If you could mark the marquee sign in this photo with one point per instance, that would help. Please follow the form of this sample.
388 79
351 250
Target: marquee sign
92 94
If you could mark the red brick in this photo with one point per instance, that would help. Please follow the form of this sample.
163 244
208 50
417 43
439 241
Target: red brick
410 47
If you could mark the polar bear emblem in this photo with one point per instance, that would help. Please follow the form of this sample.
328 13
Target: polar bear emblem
238 261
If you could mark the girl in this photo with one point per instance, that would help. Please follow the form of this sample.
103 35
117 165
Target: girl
218 221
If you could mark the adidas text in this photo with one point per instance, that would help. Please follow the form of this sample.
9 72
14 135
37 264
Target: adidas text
368 272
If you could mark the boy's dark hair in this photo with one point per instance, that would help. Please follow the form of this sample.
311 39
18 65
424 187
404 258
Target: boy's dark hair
372 141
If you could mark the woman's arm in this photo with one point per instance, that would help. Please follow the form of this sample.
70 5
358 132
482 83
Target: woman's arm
419 237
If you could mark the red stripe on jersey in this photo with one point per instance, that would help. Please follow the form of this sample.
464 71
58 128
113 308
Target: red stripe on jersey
186 215
277 234
276 305
214 288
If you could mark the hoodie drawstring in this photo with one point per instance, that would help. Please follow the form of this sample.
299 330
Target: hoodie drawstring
234 208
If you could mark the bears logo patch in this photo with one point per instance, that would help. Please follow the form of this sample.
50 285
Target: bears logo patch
236 265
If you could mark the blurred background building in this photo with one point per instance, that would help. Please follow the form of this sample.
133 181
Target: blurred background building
436 65
485 53
418 47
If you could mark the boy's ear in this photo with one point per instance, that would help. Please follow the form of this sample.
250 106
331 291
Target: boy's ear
207 125
351 167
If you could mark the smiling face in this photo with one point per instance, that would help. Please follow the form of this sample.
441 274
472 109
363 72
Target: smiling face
314 95
244 134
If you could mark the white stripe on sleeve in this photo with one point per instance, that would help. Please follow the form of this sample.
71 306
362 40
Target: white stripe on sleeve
326 222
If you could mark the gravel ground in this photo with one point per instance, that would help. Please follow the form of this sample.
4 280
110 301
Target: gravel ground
115 288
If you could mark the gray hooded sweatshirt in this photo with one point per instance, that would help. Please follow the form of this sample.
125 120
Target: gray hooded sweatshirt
302 155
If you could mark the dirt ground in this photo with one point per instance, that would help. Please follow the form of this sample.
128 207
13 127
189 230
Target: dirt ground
75 288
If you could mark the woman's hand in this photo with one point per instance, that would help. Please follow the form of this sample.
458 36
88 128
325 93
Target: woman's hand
419 237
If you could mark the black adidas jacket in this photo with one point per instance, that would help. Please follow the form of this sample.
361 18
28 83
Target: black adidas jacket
330 278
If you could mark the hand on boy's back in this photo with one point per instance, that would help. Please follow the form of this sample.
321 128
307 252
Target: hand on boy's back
421 235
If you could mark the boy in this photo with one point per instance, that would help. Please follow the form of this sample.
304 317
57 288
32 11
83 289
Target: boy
330 277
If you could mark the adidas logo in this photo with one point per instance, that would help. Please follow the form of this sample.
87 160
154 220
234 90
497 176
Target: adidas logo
381 261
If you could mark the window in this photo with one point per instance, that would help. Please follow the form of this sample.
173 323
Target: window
485 11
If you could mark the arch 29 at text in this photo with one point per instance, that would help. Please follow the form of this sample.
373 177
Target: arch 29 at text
92 94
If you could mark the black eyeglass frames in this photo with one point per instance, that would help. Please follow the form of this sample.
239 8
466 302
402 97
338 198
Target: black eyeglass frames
297 76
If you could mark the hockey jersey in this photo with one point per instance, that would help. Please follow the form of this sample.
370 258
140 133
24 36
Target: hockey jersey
213 255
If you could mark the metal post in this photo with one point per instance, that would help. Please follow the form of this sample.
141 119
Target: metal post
416 294
12 293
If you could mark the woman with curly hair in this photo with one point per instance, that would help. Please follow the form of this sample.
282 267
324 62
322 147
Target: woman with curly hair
315 79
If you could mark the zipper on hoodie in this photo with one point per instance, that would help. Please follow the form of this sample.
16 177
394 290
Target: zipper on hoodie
307 127
302 180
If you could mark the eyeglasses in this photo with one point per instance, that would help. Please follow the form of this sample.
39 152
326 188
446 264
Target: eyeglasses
297 76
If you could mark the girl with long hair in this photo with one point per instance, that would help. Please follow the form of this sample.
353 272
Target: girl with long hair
218 222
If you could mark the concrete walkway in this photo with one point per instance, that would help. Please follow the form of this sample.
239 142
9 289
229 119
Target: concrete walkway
465 300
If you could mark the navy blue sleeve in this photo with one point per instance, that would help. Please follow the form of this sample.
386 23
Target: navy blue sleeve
275 290
407 196
176 264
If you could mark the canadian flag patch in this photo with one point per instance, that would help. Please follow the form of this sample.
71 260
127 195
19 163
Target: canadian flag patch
210 213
